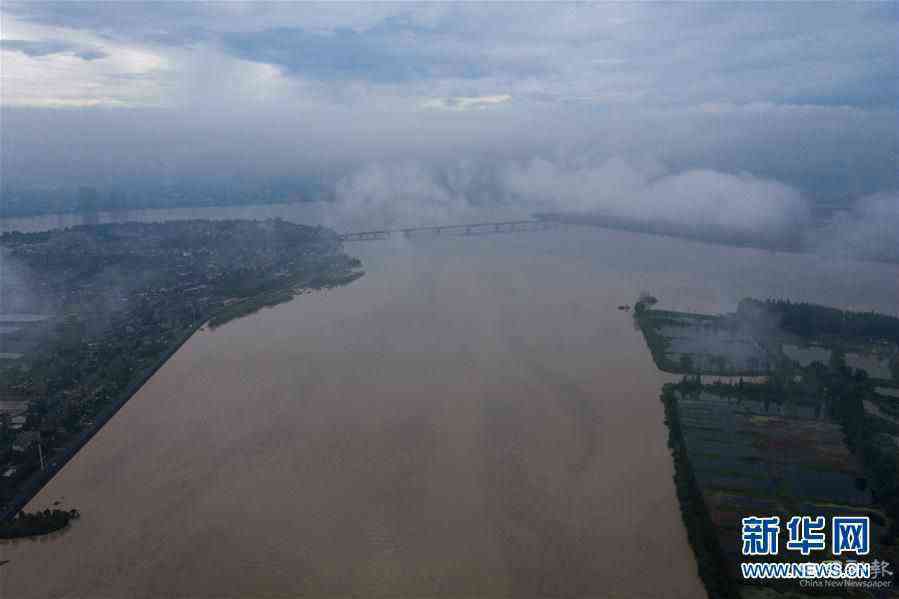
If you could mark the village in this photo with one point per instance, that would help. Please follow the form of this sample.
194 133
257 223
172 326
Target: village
115 301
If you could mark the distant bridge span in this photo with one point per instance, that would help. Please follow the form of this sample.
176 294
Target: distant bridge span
511 226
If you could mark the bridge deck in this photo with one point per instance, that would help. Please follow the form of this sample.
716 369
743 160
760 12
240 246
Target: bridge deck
469 229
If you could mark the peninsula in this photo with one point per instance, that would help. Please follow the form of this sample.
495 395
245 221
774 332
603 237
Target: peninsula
119 300
815 431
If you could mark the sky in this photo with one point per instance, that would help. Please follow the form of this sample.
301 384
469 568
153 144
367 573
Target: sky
754 115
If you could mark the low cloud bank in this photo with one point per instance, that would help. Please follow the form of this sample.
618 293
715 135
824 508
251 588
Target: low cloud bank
41 48
408 194
867 231
696 199
644 194
405 194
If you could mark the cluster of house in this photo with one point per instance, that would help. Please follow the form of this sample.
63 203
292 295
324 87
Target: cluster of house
14 413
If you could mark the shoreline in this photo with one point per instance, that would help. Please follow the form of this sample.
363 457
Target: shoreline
243 266
37 481
719 239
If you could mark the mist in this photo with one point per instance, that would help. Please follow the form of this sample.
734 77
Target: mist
380 300
769 123
868 231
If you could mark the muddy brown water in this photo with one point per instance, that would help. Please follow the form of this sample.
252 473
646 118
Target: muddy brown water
472 418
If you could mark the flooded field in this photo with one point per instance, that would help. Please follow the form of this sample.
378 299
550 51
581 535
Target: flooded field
684 343
877 366
759 457
473 417
808 440
806 355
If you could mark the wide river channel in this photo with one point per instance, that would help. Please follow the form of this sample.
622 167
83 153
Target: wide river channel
472 418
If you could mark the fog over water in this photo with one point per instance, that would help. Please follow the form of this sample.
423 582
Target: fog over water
473 417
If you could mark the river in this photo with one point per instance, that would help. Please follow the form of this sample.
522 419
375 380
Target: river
472 418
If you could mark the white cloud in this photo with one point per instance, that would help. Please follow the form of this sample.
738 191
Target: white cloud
279 89
114 74
412 193
460 103
616 187
399 194
869 230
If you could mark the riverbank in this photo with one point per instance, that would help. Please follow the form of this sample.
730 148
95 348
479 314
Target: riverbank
39 479
424 400
245 307
701 530
808 439
112 332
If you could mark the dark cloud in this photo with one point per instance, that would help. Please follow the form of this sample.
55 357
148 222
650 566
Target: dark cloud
752 99
50 47
121 20
833 54
373 55
90 54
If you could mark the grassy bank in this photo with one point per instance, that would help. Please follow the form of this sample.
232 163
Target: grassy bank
701 531
250 305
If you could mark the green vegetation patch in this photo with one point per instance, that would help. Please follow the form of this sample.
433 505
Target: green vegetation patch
37 523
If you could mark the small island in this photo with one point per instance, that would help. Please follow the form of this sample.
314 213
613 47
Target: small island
117 300
38 523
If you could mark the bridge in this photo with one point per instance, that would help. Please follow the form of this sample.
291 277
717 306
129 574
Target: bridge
512 226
